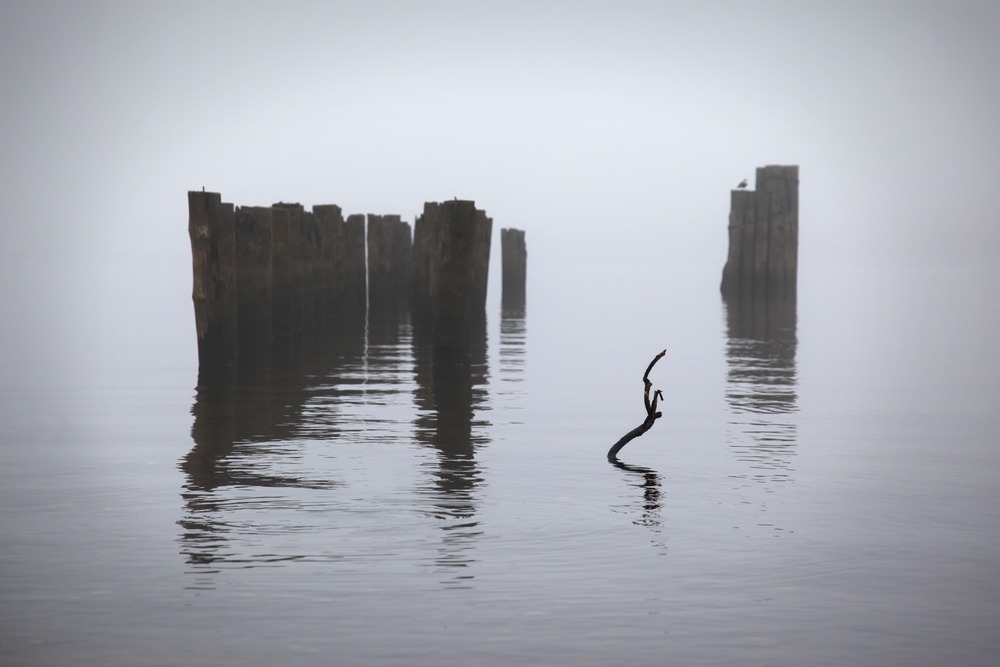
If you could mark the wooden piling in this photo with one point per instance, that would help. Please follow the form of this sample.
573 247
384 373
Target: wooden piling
354 273
451 250
213 253
389 250
514 258
311 257
296 268
763 236
330 221
285 311
253 275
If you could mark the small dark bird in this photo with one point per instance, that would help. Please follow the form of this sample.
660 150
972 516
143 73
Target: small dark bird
742 184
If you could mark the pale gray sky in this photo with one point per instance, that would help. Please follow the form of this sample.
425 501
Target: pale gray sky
605 129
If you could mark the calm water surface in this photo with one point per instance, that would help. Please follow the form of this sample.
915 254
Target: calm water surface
821 490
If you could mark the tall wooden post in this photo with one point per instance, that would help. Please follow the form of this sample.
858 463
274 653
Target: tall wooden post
389 249
254 275
354 273
764 236
330 221
514 256
313 278
451 254
284 310
295 265
213 254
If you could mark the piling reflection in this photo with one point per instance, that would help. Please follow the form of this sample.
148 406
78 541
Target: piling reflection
251 424
301 452
513 335
450 394
762 385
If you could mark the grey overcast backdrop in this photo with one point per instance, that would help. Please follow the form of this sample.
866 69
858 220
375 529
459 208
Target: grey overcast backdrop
608 130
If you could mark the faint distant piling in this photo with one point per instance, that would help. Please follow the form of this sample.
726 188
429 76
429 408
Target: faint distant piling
389 249
764 236
213 252
514 258
451 255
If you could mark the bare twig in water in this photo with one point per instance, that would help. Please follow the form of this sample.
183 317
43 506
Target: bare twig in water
651 414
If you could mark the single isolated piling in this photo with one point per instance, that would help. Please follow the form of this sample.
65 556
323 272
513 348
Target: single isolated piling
213 252
764 236
514 258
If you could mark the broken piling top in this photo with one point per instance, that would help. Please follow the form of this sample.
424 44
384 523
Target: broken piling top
764 236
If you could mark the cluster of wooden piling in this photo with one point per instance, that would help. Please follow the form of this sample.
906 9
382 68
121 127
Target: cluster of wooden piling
264 274
764 237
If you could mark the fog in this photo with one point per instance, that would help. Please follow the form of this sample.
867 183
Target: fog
610 131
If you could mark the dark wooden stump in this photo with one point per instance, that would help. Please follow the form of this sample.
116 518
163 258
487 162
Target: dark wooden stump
213 254
389 250
253 276
451 257
514 258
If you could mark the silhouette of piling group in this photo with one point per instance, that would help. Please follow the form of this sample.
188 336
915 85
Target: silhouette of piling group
264 275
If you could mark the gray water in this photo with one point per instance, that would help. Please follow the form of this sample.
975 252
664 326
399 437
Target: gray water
822 489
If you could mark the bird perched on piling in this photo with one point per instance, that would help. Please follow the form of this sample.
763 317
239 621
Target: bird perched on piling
742 184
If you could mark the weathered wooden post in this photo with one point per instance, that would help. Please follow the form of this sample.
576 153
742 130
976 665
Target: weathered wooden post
310 255
341 274
284 310
451 255
764 236
353 268
514 256
389 250
253 276
298 307
330 220
213 253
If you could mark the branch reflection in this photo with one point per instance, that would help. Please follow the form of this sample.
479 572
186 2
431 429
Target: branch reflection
647 509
